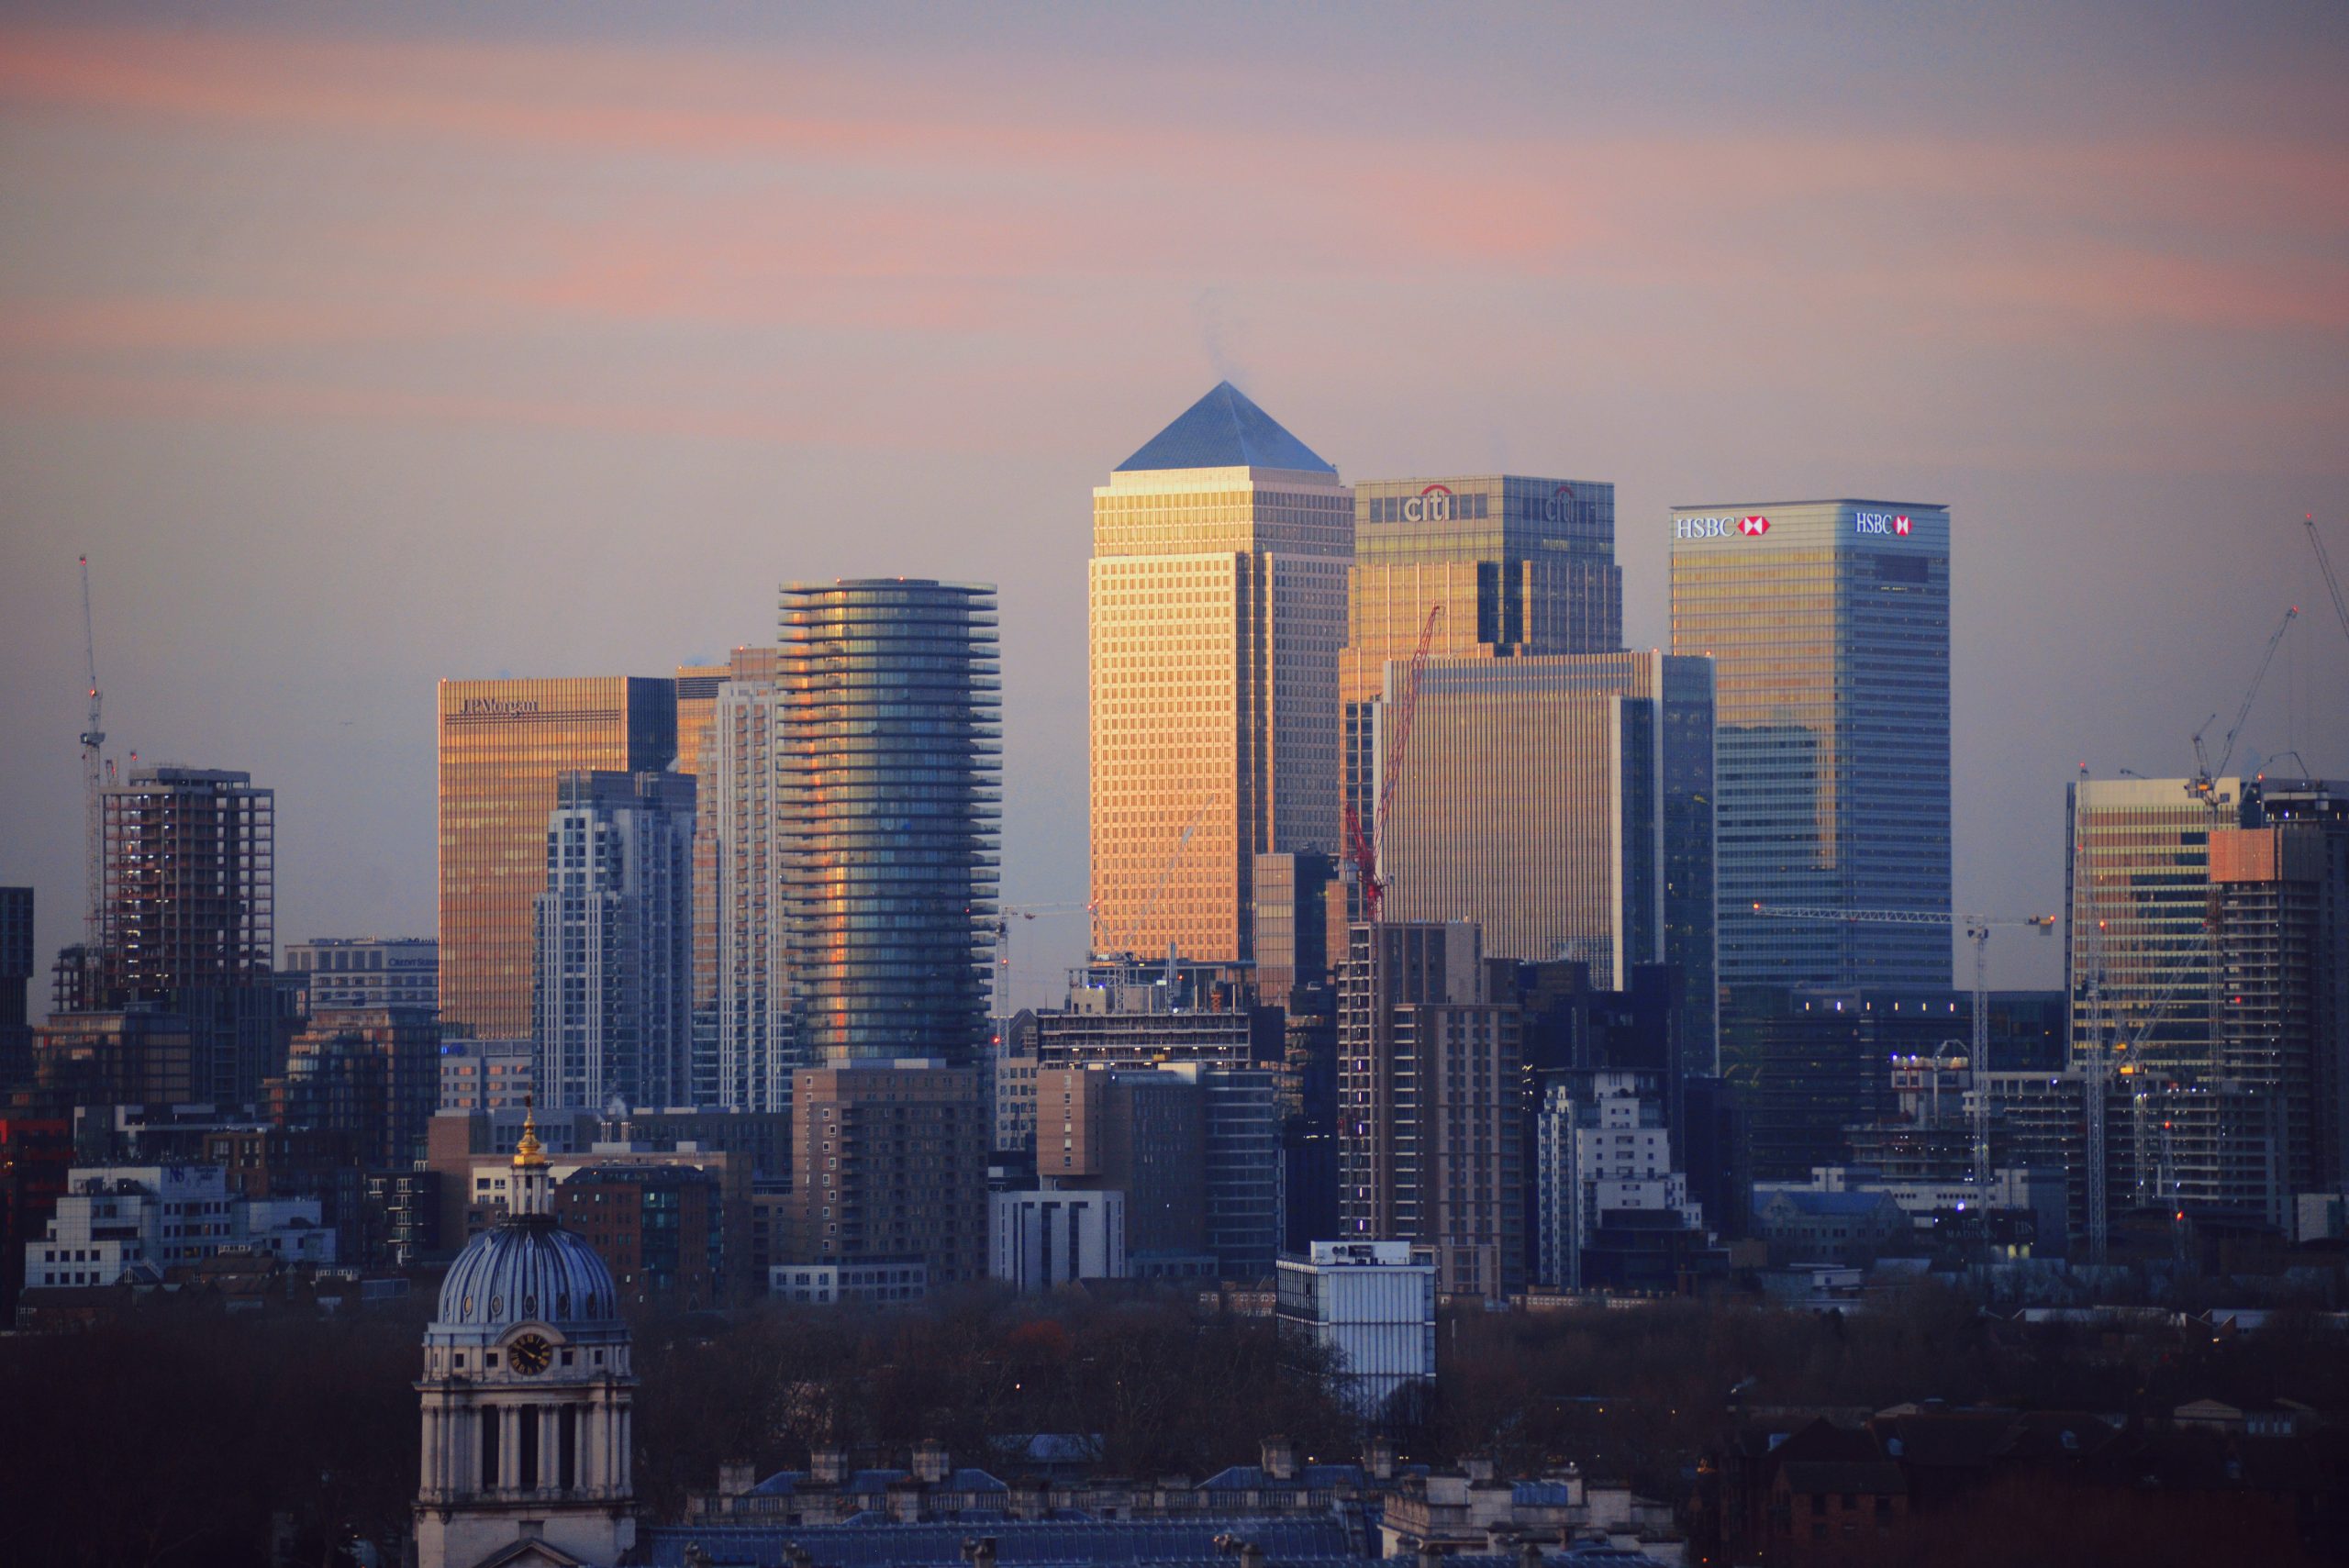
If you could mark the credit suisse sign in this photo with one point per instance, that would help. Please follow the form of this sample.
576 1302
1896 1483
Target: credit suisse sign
1720 527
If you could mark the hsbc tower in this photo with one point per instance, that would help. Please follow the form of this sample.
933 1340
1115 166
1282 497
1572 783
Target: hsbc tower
1828 624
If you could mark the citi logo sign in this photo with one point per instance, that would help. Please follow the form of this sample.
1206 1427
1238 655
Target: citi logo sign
1887 523
1720 527
1432 504
1559 506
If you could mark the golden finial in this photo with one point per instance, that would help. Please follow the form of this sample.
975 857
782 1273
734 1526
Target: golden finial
528 1154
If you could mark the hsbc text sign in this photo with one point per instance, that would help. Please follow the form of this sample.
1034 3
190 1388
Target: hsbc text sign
1749 527
1889 524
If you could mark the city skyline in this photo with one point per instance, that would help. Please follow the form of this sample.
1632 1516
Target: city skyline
2129 418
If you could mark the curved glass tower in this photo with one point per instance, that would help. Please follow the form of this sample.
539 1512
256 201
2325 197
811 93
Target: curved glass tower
888 785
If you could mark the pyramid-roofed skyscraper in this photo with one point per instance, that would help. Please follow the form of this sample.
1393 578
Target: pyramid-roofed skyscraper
1217 606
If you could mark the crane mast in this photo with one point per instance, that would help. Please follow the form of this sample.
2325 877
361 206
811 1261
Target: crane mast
1363 845
94 740
2324 564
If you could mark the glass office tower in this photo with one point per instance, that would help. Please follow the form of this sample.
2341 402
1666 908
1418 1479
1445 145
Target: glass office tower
1565 804
1519 566
1216 604
1828 624
888 795
502 745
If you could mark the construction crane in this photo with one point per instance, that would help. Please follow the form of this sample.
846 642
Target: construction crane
1363 845
94 740
2203 785
2324 563
1165 874
1978 928
1004 916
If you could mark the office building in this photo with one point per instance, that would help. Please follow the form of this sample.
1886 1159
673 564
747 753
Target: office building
502 744
1042 1241
1430 1127
1300 923
489 1075
1511 566
1367 1309
1217 605
745 994
372 1074
1565 804
885 1281
889 1161
15 983
612 994
368 972
1136 1131
891 790
1828 626
129 1057
1809 1064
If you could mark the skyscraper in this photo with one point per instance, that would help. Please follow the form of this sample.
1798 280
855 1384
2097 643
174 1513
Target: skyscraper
1564 804
1430 1129
889 795
747 986
1216 601
502 743
187 921
1519 566
1828 624
612 994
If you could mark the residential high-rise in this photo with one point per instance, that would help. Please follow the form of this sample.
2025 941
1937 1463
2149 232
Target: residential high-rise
749 980
1828 626
368 972
1565 804
16 982
186 924
1217 605
890 793
611 1007
1430 1129
369 1075
502 743
1518 566
890 1163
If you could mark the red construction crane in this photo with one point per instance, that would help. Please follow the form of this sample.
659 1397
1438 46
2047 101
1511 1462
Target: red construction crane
1362 847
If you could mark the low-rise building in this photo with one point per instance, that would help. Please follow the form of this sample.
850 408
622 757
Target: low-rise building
1043 1240
875 1282
138 1221
1847 1228
1369 1308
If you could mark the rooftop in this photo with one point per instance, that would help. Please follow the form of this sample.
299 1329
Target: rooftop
1224 429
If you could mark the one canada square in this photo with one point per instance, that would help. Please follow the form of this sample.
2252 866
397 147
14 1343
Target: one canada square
1828 624
1216 607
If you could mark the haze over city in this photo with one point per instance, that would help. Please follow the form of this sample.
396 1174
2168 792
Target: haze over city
361 347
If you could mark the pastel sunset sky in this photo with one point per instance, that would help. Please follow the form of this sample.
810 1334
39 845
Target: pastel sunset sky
364 345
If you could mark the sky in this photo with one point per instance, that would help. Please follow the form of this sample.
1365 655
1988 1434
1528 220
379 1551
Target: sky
361 346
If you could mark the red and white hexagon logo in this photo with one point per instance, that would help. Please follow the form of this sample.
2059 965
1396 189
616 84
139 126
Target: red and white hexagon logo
1900 527
1754 528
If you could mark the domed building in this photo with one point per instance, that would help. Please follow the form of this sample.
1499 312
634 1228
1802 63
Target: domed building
526 1394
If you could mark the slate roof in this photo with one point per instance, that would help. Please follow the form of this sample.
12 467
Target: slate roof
1224 429
1118 1543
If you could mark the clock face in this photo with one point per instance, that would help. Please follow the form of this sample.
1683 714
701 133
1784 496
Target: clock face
530 1355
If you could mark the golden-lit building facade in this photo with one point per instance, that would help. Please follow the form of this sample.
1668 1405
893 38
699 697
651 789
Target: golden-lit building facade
1216 601
1564 804
502 743
1521 566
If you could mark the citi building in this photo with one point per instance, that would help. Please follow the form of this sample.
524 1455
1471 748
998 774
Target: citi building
1828 626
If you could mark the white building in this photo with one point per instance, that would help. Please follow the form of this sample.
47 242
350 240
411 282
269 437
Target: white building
2043 1193
1371 1305
1605 1145
1057 1236
874 1282
369 972
143 1220
755 1042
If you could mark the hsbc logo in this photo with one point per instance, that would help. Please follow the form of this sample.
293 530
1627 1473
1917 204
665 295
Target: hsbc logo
1892 524
1720 527
1432 504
